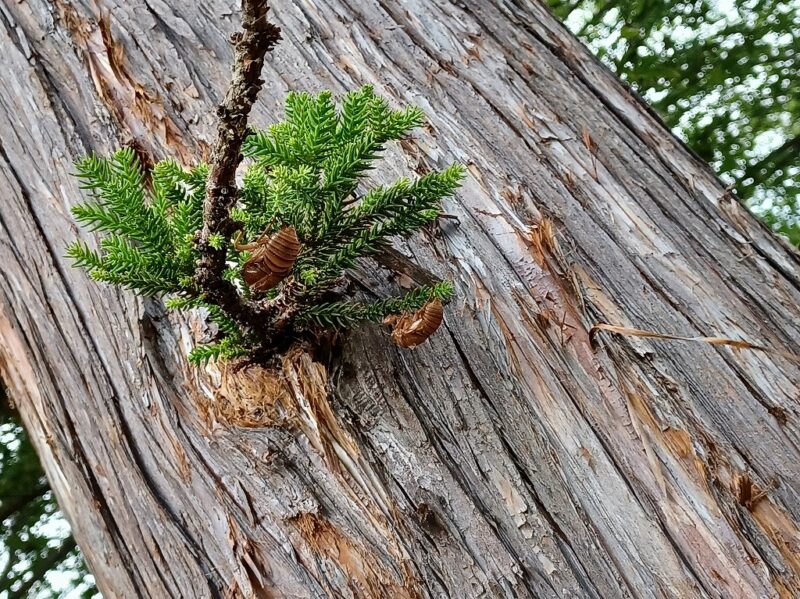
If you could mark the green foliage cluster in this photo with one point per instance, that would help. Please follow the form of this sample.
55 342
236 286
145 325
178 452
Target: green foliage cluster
34 539
305 172
723 75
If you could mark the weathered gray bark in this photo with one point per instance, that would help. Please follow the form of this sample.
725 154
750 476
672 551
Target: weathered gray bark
507 457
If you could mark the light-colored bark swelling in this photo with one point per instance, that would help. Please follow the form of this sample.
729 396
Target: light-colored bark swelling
506 457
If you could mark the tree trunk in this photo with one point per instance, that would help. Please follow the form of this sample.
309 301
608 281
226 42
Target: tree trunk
515 454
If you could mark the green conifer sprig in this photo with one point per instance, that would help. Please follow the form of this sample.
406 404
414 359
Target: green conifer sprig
305 173
347 313
226 349
148 244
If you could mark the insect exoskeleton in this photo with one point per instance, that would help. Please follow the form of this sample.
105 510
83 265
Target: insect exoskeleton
272 258
412 329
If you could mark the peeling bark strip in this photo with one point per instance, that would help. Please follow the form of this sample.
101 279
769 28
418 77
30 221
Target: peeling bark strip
331 551
259 37
507 457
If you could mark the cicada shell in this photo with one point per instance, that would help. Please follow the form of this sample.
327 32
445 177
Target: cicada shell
412 329
272 259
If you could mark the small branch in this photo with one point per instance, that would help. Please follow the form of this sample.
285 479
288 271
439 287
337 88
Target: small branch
258 36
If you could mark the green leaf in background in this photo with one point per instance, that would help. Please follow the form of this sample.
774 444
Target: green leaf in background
723 75
38 556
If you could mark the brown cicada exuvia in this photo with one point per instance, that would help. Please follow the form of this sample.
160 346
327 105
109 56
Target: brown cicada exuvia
272 258
412 329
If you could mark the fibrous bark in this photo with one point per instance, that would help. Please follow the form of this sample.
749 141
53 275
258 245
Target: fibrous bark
506 457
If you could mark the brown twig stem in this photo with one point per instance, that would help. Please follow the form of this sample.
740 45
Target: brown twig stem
258 36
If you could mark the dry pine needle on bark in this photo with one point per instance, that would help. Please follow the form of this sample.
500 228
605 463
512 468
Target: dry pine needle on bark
734 343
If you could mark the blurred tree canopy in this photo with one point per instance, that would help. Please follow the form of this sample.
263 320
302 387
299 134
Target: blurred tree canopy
723 74
38 556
